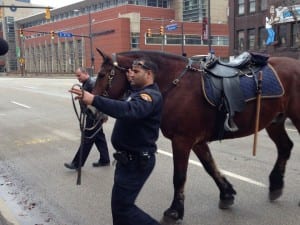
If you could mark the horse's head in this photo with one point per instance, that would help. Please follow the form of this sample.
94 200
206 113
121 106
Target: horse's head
111 79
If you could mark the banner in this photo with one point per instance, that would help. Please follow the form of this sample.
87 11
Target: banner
285 14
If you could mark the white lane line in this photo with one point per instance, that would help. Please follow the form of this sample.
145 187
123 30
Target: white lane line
291 129
20 104
30 87
227 173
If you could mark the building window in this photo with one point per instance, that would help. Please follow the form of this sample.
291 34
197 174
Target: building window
282 35
251 39
296 35
263 5
240 40
219 40
262 37
135 40
241 7
252 6
193 39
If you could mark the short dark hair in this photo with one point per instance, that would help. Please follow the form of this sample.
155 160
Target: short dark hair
146 64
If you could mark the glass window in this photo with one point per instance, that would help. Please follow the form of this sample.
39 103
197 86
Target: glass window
219 40
282 34
174 39
135 40
154 39
240 40
192 40
251 39
263 5
262 37
252 5
241 7
296 35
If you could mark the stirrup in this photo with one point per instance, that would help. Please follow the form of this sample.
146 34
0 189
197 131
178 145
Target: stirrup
229 124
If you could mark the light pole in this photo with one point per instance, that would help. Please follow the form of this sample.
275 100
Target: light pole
182 40
208 26
91 42
90 37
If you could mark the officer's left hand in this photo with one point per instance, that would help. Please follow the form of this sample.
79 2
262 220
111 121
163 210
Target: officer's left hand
82 95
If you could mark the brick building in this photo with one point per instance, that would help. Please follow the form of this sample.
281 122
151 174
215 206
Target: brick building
248 20
119 26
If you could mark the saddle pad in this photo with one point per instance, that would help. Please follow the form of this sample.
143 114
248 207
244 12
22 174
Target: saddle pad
271 86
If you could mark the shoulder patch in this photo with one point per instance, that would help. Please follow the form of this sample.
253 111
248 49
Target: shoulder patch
146 97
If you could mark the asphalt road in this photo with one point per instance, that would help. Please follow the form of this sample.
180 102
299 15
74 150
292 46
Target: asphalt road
39 132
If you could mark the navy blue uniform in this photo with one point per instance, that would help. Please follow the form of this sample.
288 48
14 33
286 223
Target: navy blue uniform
135 132
99 139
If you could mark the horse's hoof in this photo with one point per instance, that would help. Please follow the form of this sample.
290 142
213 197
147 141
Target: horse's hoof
225 203
273 195
170 221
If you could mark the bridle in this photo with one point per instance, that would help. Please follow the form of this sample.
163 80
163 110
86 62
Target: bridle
115 65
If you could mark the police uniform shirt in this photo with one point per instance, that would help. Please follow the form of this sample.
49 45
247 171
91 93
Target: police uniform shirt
89 84
138 119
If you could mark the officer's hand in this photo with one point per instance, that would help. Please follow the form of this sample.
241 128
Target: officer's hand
82 95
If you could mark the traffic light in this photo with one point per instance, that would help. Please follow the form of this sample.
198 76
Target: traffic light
149 34
21 33
52 34
47 14
161 30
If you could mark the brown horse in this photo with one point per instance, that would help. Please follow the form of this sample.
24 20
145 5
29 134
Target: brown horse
189 120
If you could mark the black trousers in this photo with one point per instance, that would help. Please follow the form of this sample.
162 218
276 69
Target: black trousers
128 182
100 142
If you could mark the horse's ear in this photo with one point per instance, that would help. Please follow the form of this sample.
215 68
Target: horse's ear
102 54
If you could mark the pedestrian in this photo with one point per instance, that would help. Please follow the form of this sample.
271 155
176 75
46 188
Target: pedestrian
99 139
134 138
271 32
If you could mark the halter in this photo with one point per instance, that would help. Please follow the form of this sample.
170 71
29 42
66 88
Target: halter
112 74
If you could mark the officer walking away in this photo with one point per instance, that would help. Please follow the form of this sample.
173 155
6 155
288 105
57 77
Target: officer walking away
134 137
99 139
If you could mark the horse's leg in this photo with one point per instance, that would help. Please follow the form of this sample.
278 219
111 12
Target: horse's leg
226 190
284 146
181 150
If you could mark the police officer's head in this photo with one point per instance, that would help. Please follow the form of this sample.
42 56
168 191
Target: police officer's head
143 73
81 74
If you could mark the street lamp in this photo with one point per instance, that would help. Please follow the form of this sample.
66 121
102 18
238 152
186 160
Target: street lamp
208 26
91 43
182 40
182 37
90 36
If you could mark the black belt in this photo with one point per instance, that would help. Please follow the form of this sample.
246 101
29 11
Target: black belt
124 156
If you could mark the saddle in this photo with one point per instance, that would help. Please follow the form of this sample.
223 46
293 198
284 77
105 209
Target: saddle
225 82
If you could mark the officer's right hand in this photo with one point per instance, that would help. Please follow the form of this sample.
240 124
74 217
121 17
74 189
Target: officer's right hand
82 95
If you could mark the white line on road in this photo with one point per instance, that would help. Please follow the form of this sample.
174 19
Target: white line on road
227 173
20 104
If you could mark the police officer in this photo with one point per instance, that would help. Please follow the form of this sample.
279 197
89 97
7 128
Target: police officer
134 138
99 139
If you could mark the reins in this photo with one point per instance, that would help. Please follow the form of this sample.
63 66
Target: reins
81 116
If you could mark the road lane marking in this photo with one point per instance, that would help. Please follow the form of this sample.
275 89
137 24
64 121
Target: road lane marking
225 172
30 87
33 141
291 129
20 104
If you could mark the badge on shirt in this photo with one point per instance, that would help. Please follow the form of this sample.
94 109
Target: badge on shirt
146 97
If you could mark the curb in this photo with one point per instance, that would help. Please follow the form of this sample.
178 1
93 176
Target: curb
6 216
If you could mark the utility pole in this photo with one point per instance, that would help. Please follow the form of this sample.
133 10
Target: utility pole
208 26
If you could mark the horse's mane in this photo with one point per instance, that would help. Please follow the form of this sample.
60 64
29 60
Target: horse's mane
152 53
